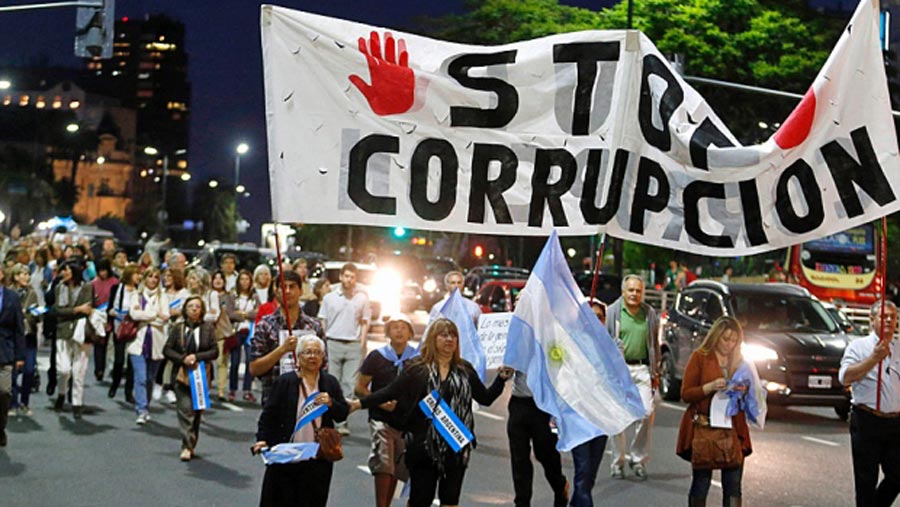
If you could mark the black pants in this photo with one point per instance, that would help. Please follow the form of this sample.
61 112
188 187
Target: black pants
528 426
875 442
120 361
100 358
303 484
424 478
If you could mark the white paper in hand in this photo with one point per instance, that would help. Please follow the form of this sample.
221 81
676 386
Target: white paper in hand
717 409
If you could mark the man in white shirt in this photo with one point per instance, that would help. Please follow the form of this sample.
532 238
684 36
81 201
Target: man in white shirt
874 422
228 265
345 314
454 281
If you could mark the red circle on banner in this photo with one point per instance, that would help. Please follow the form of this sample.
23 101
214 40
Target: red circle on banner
796 128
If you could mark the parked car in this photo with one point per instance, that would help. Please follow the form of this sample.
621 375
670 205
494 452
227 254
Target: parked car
210 257
843 321
790 336
609 286
499 295
476 276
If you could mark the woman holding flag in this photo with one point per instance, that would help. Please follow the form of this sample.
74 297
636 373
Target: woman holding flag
191 342
298 405
717 370
434 396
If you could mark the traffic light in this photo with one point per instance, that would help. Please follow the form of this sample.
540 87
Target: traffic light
94 30
478 251
399 232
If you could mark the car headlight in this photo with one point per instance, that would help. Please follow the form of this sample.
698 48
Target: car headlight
430 285
758 353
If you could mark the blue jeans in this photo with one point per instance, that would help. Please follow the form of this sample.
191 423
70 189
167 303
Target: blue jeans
587 458
731 483
144 378
235 364
21 395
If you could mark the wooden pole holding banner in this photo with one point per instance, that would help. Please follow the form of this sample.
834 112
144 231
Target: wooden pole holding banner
882 260
287 313
597 266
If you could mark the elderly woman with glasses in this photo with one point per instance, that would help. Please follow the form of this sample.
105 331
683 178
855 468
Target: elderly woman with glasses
305 483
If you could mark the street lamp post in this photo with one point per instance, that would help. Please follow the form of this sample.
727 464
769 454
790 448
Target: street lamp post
241 149
163 215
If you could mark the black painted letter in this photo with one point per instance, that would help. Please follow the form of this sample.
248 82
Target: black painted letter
356 177
693 192
643 201
592 214
585 55
481 187
867 173
811 194
542 191
507 96
668 103
418 185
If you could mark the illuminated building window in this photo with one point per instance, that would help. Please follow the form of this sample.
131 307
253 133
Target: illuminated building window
176 116
74 104
23 101
41 103
162 38
182 164
121 64
116 72
157 66
7 100
178 106
57 102
145 93
144 75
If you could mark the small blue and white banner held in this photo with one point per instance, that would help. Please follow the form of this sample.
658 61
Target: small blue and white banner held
103 307
37 311
446 421
250 333
175 304
285 454
310 411
199 389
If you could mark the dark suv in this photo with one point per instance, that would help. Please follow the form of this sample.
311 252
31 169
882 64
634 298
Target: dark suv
795 344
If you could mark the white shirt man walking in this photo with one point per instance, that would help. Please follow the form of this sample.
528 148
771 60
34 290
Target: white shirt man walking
874 427
345 314
453 280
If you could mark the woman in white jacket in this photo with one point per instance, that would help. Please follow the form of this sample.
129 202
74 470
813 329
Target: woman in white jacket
150 310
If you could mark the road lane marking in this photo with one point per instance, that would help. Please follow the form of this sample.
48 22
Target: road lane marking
364 469
672 406
231 406
820 441
491 416
716 484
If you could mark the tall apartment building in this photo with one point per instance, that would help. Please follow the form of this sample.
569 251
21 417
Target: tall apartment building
148 72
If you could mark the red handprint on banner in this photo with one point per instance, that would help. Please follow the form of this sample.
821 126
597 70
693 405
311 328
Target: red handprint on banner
393 83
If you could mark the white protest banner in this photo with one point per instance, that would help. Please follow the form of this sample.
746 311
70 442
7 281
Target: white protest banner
492 330
582 132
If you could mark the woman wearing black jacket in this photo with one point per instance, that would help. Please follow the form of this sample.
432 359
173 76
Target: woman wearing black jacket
190 342
429 457
305 483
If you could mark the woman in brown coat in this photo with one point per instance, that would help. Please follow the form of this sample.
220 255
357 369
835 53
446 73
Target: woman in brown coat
707 372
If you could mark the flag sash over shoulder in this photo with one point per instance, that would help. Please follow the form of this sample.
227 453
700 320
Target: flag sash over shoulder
448 424
310 411
199 389
582 133
574 368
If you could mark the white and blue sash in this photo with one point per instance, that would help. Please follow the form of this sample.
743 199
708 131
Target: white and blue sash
199 389
37 310
175 304
448 424
310 411
390 354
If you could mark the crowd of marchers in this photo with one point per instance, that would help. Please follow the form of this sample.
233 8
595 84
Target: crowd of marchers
149 327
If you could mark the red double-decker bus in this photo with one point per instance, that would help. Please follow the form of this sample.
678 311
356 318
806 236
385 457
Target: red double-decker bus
842 267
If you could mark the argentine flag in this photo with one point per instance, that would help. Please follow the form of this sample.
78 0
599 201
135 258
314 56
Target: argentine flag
469 344
575 370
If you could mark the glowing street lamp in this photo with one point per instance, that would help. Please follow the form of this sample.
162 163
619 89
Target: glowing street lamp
72 128
213 183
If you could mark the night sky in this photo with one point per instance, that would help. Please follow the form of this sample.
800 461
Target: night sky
225 69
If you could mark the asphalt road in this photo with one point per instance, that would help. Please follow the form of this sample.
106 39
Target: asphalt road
801 459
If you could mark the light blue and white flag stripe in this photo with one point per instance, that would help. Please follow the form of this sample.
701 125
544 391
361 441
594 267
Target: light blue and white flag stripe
310 412
284 454
37 311
469 344
199 389
575 370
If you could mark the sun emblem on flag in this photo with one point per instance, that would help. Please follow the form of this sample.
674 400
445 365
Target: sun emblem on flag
556 354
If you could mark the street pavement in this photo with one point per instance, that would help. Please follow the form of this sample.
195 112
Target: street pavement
801 459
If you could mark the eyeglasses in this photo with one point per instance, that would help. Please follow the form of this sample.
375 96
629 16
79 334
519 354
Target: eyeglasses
310 353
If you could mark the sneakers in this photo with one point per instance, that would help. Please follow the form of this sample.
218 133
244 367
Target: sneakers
60 401
639 471
186 455
25 412
77 411
170 397
617 472
142 418
157 392
248 397
343 429
231 396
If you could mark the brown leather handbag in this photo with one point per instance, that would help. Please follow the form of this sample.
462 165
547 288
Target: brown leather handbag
329 440
714 448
